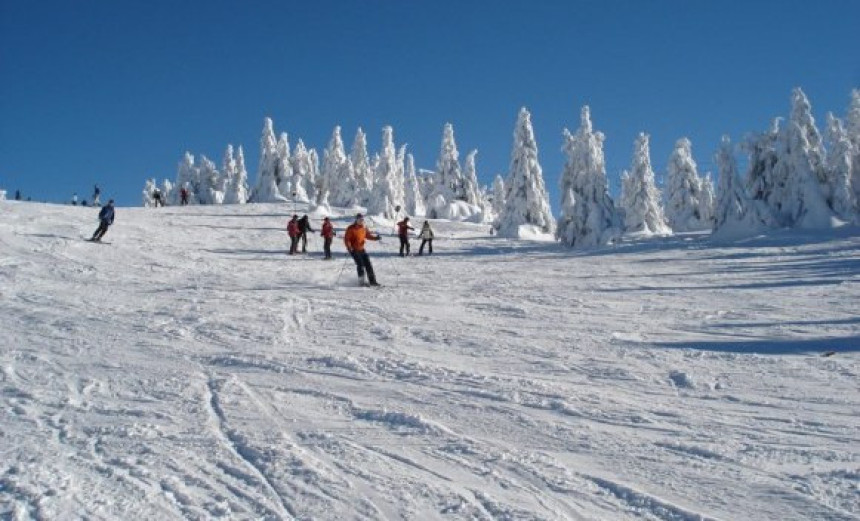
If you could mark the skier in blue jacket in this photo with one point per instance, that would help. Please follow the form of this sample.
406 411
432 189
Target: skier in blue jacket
106 216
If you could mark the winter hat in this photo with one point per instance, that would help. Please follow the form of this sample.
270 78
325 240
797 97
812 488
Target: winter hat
358 216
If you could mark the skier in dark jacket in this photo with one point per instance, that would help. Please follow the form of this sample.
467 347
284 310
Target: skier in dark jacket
106 216
304 228
403 232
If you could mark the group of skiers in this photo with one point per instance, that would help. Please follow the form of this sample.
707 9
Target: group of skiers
96 197
354 239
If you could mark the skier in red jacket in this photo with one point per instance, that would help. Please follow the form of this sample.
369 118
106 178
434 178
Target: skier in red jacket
294 232
403 232
328 234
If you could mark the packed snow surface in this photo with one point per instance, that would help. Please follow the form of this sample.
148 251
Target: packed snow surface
190 369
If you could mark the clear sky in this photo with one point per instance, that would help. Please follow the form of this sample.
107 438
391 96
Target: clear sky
115 91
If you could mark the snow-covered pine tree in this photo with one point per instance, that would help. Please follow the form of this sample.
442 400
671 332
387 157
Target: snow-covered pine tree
853 130
400 178
228 170
266 188
762 181
361 167
300 169
207 185
284 168
237 191
187 176
839 165
736 215
148 190
414 199
383 198
803 197
640 197
312 175
526 202
684 191
499 195
448 179
337 169
471 190
707 201
588 215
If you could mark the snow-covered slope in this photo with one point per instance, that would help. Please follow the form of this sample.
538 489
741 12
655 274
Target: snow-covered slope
192 370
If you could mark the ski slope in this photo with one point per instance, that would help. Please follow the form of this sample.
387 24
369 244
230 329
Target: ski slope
192 370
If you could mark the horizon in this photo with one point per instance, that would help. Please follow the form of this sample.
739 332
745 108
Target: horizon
127 89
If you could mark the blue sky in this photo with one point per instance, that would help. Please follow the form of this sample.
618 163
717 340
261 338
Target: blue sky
115 92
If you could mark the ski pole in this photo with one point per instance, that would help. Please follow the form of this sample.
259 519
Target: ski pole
339 273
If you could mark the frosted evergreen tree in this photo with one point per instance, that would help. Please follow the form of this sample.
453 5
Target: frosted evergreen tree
400 178
312 175
684 191
266 189
383 198
228 170
237 191
361 167
853 130
762 183
284 168
448 178
300 169
499 197
471 191
802 188
208 180
640 196
187 176
588 215
414 199
337 169
707 201
526 202
735 213
839 166
148 190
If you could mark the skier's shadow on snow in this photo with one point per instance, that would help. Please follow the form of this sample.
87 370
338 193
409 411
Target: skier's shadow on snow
769 346
262 254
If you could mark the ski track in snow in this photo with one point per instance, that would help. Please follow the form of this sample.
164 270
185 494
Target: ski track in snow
193 370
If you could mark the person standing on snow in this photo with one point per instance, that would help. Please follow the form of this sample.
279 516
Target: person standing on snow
328 234
294 232
106 216
403 232
426 237
183 196
75 199
156 197
304 228
354 239
96 194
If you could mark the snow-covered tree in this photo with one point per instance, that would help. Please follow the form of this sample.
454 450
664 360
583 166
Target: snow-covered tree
187 176
761 181
237 190
802 187
208 181
268 176
640 197
707 201
300 168
839 165
228 170
735 213
414 199
499 195
383 198
148 190
448 178
400 177
471 191
526 202
684 191
853 131
284 167
312 175
337 169
361 167
588 215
